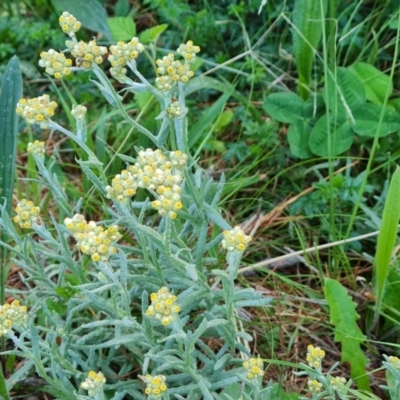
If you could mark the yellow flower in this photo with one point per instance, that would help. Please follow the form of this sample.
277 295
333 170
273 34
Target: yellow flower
94 383
155 385
69 24
314 356
37 110
254 367
235 239
163 306
56 64
27 214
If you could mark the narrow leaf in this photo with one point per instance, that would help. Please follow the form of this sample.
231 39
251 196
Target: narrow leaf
11 93
308 21
387 235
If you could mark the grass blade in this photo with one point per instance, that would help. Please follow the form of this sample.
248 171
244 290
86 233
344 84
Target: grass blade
11 92
387 236
308 24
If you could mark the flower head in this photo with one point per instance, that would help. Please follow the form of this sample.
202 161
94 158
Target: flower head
171 71
121 54
174 110
36 148
314 386
314 356
123 187
163 306
11 315
235 239
86 53
38 110
394 362
79 112
27 214
155 171
91 239
56 64
188 51
338 383
164 83
69 24
94 383
254 368
155 385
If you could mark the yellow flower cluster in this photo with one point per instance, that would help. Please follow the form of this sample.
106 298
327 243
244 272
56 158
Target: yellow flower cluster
254 368
235 239
171 70
121 54
153 171
314 356
11 315
27 213
94 383
38 110
394 361
69 24
163 306
155 385
174 110
338 383
188 51
86 53
91 239
79 112
37 148
314 386
123 187
56 64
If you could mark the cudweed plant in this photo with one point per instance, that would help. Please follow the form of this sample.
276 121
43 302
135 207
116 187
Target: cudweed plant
134 301
319 385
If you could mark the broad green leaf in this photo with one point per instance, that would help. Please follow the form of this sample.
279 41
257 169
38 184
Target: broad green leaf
387 235
308 21
284 107
122 28
367 120
121 8
314 107
343 316
375 82
152 34
341 136
90 13
344 92
298 138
